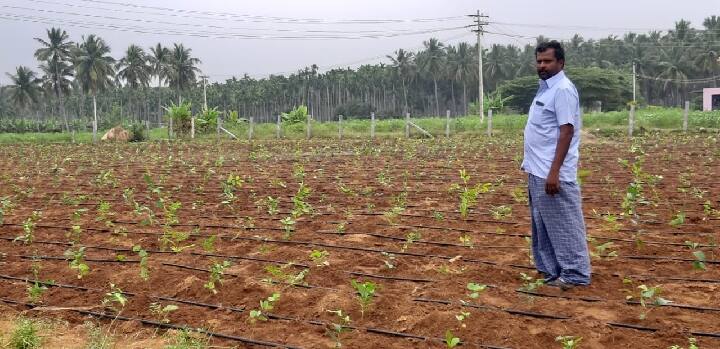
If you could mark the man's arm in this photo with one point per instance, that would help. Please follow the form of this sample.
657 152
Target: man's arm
552 184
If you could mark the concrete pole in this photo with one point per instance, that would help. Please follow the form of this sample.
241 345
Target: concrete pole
277 128
447 123
340 129
481 92
685 116
634 84
372 125
309 127
407 125
252 126
631 123
490 116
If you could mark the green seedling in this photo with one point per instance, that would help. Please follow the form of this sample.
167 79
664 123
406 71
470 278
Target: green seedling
217 270
289 226
336 329
678 219
648 296
320 258
699 262
265 306
278 274
450 340
272 205
475 289
208 244
530 284
411 238
569 342
144 256
501 212
25 335
77 261
461 317
29 228
365 293
438 216
163 312
467 241
115 296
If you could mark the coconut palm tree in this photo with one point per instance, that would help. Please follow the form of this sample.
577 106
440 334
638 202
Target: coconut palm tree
25 88
403 65
462 67
182 69
94 70
56 53
159 61
134 69
432 60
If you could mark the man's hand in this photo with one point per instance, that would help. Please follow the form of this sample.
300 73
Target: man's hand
552 183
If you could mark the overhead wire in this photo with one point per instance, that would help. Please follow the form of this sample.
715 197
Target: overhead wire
208 34
273 19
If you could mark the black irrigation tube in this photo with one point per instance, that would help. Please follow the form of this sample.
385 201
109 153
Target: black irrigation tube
506 310
528 235
271 316
168 252
671 278
86 289
556 317
593 300
389 277
167 326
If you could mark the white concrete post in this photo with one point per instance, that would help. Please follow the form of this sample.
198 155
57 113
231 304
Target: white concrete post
251 130
340 129
407 125
685 116
631 121
372 125
490 119
447 123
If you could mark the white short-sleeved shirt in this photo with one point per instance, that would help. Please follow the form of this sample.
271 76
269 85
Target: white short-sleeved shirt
556 103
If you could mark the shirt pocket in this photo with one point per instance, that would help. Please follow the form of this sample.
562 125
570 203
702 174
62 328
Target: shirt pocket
543 116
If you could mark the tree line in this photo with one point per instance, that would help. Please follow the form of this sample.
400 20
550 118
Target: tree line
79 80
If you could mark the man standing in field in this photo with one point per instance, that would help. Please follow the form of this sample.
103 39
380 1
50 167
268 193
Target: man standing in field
552 140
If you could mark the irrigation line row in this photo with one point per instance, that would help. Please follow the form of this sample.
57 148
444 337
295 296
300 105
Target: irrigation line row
380 331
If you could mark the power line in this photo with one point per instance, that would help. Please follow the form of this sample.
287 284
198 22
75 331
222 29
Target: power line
206 34
685 81
364 32
273 19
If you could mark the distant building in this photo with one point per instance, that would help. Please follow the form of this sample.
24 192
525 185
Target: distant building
711 99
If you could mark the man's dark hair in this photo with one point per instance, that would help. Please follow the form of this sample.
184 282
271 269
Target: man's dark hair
556 46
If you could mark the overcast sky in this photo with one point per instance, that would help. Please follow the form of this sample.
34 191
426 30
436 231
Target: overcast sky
265 37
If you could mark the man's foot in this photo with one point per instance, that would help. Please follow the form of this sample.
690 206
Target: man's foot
561 284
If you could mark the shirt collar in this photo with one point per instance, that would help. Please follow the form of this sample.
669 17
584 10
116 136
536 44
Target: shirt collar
549 83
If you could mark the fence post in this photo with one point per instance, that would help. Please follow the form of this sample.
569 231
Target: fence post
340 130
192 127
277 128
490 118
447 123
372 125
309 127
251 130
685 116
631 123
407 125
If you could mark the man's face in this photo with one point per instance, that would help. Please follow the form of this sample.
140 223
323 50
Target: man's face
547 65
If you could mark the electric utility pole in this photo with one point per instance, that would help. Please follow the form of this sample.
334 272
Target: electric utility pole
479 23
204 77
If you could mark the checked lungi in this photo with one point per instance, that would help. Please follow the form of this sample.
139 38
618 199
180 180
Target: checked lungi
559 244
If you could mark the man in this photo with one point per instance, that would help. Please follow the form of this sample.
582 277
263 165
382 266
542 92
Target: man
552 140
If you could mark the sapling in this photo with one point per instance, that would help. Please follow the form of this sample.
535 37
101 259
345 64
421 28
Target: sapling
272 205
461 317
77 261
467 241
289 226
411 238
699 262
115 296
208 244
335 330
365 293
389 260
647 296
217 270
144 272
678 219
29 228
500 212
163 313
265 306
